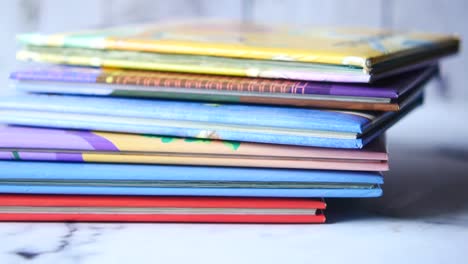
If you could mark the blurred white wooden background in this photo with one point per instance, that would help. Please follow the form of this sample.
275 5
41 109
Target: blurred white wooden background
59 15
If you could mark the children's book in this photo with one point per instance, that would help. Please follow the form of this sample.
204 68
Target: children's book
131 179
78 208
250 123
41 144
245 49
386 95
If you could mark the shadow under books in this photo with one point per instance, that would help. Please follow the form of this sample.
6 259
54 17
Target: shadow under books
424 182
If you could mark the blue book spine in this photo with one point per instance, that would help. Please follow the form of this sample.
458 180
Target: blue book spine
271 138
93 171
246 115
326 193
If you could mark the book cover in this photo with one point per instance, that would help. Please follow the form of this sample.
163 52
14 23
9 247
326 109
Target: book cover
384 95
23 207
40 144
125 179
368 49
261 124
209 64
196 160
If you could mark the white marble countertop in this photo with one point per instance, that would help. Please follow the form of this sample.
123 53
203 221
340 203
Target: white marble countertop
422 218
364 239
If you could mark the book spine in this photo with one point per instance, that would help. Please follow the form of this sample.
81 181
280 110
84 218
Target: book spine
258 116
215 218
160 202
195 81
229 192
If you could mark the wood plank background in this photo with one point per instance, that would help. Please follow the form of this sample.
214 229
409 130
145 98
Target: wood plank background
427 15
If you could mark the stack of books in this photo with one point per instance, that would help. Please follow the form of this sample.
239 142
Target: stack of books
205 121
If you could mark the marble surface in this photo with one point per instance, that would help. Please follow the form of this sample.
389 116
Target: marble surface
369 239
422 217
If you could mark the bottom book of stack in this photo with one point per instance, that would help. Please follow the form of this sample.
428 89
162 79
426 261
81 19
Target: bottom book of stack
21 207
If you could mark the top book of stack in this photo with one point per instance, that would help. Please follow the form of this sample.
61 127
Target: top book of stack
245 49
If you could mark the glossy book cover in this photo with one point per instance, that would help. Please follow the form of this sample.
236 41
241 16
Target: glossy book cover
367 49
260 124
131 179
384 96
76 208
290 70
41 144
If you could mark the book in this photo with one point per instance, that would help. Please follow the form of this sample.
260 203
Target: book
125 179
386 95
250 123
33 208
41 144
246 49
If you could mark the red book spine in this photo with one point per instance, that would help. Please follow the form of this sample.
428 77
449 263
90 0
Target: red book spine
164 218
150 201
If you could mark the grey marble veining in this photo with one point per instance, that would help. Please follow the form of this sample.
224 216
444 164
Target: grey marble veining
371 239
